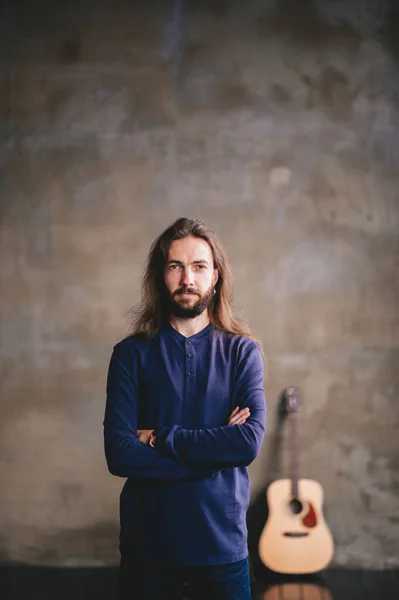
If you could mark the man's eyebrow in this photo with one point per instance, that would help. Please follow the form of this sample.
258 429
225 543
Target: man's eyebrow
195 262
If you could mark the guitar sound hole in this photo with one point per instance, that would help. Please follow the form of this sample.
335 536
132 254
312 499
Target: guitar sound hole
295 506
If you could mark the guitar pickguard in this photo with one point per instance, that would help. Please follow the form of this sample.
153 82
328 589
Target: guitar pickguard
310 520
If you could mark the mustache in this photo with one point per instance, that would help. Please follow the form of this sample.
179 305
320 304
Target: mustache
186 289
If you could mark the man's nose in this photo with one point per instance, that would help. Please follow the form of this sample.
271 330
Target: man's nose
187 277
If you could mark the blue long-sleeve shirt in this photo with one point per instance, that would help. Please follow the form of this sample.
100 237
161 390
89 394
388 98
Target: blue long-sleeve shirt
184 502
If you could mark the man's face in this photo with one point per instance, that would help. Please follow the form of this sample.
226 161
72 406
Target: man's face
190 277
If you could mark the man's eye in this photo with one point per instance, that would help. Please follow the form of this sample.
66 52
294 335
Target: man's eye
200 266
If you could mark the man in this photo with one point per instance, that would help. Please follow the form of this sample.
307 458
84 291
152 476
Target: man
185 415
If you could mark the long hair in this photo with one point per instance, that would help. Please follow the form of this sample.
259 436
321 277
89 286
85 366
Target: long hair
151 313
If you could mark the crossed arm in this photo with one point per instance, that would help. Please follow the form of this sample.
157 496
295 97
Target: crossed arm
180 453
237 417
225 446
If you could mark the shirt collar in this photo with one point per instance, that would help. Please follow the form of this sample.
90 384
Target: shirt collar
168 329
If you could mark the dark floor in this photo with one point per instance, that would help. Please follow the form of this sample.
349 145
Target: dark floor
19 582
334 584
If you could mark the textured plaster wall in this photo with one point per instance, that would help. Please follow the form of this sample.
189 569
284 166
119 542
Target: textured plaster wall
275 122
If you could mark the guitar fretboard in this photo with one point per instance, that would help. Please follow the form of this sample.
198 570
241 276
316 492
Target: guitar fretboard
294 454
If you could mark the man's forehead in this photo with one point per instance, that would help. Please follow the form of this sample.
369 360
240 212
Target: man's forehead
192 248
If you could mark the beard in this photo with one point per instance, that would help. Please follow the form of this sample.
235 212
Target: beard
182 311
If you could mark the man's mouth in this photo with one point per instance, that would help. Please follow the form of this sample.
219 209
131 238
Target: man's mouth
186 294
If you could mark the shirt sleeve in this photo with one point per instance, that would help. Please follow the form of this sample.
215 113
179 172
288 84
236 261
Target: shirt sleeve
229 445
126 456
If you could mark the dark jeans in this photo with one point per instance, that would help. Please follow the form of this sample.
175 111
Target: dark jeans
217 582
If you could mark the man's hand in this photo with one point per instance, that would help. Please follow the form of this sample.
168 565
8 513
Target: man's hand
144 435
238 417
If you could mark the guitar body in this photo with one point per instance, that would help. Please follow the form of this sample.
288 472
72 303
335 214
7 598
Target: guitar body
297 591
295 539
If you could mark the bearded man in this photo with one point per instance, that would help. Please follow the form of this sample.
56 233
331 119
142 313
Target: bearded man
185 415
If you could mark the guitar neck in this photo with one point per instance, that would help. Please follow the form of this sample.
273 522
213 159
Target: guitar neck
294 450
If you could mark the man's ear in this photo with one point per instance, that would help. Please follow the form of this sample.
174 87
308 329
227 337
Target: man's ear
215 277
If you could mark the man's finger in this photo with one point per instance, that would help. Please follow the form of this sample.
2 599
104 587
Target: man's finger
242 414
239 422
233 414
244 417
239 417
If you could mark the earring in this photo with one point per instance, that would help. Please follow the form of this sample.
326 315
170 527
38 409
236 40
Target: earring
214 291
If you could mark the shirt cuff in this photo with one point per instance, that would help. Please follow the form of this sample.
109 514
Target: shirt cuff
164 440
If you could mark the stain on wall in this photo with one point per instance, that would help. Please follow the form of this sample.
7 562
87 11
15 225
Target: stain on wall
275 122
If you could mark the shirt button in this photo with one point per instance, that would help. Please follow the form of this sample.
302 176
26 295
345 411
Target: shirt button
189 355
190 374
189 343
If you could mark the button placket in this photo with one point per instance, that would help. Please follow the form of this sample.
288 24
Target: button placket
190 366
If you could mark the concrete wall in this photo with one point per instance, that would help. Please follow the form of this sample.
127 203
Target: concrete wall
275 122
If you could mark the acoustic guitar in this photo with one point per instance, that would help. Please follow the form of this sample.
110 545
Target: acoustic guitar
296 538
297 591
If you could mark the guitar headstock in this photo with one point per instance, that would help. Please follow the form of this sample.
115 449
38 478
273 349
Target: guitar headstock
291 397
